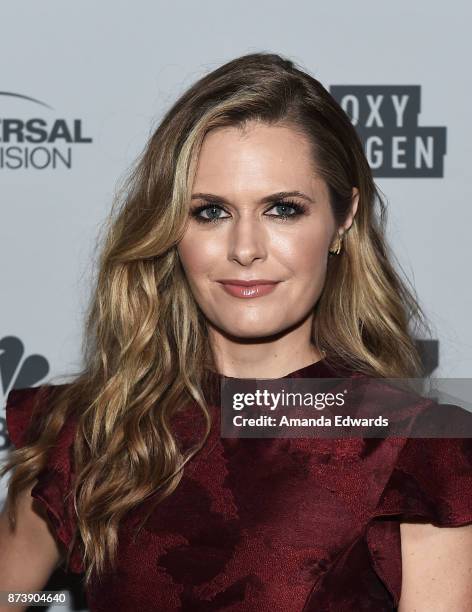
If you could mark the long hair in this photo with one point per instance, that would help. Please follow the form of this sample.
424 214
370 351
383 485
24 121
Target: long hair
146 350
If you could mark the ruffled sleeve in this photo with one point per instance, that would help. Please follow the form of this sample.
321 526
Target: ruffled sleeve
431 482
54 483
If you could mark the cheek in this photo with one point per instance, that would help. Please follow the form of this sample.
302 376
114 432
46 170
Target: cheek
306 253
197 254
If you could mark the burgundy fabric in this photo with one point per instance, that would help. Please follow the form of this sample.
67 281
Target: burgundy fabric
269 524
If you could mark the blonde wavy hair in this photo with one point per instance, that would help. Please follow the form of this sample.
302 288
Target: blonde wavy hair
145 334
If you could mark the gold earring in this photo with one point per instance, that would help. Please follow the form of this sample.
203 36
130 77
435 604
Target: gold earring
337 248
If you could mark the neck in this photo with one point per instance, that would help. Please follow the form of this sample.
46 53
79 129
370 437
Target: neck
270 358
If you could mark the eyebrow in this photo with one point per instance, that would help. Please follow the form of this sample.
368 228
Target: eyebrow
274 197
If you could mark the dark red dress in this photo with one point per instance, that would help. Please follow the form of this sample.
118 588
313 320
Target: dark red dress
275 525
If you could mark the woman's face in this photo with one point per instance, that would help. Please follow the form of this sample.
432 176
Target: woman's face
242 227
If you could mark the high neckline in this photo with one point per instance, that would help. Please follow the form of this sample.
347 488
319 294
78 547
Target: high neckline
323 368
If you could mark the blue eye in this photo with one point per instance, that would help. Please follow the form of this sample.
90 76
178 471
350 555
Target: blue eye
293 205
207 207
297 208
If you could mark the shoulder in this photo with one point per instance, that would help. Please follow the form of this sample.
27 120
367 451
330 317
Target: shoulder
432 481
26 409
429 489
431 470
431 477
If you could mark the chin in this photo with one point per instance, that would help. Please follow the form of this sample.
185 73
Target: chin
250 330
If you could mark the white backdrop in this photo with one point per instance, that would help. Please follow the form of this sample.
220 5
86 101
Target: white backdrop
109 70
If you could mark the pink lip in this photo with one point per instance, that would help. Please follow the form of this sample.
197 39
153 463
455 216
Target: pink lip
248 289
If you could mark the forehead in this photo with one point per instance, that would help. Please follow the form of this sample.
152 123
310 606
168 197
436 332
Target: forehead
253 157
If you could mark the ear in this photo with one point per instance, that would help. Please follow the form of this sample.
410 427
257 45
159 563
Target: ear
354 203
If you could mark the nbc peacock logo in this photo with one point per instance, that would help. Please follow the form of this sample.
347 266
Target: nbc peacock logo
17 371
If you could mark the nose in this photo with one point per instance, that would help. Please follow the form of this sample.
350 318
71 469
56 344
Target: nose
247 241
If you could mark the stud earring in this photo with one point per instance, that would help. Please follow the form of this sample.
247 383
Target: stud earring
337 248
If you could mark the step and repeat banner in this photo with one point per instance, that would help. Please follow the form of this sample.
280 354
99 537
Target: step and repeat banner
83 85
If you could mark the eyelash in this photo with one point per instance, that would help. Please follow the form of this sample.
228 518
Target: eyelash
299 209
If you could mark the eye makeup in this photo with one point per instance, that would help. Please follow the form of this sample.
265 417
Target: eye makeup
299 209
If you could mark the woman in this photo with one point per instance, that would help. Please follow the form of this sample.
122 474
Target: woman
255 174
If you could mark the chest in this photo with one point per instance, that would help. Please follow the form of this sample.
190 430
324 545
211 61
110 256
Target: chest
252 523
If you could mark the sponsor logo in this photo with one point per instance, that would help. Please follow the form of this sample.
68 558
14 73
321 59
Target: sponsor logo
386 119
17 371
39 140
